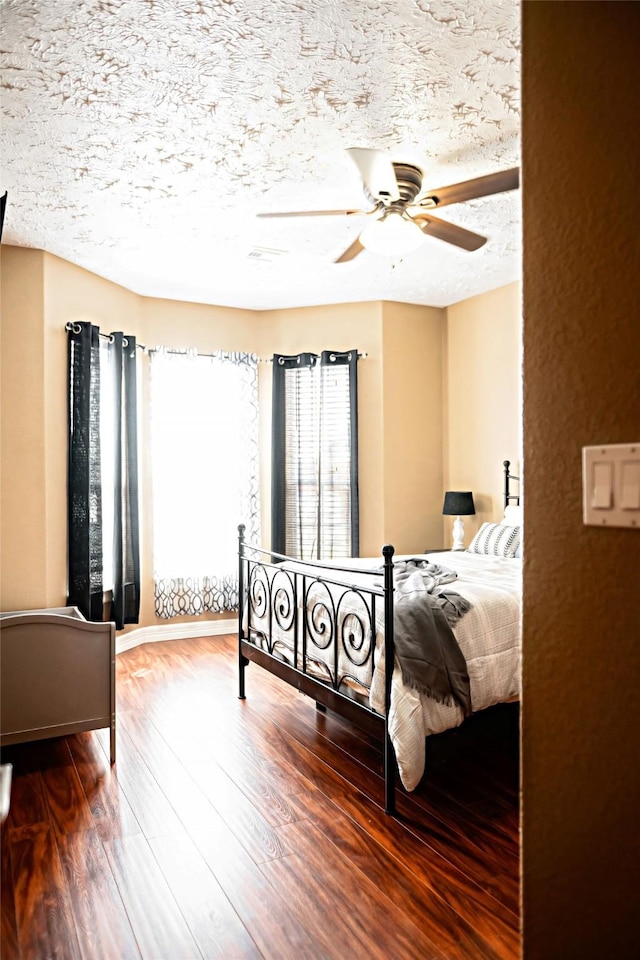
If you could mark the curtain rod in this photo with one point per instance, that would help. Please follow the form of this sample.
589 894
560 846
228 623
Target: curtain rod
361 356
70 326
190 350
76 328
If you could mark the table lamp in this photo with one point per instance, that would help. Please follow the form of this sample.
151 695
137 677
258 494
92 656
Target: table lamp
458 504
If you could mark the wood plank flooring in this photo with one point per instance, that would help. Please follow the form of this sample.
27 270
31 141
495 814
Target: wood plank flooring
254 829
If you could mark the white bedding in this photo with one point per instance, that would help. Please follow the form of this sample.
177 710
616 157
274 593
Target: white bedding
488 636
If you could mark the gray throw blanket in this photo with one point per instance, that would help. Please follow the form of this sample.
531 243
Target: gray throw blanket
426 648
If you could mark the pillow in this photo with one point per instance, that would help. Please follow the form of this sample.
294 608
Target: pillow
512 516
496 540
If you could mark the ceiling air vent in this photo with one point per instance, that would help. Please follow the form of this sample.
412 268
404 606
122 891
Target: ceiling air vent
265 254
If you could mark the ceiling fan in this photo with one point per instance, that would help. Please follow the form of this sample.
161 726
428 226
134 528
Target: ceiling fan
401 208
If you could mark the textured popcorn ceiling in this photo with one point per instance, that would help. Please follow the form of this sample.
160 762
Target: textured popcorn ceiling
141 137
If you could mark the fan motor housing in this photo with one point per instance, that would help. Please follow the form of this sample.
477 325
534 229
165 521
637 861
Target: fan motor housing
409 181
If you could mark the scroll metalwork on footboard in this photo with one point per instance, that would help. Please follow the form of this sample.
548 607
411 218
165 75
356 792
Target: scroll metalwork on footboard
321 628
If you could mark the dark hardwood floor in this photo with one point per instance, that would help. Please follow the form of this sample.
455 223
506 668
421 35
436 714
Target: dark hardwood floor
238 829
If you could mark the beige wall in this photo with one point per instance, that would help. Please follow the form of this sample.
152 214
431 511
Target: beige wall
23 495
40 294
412 426
400 466
483 408
400 378
71 295
340 327
581 704
179 325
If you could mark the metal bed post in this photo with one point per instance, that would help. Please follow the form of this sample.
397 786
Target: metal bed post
389 660
506 465
242 661
508 477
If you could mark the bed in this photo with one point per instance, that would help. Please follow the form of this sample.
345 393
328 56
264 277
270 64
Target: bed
57 677
349 634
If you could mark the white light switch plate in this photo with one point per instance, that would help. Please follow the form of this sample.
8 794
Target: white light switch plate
611 485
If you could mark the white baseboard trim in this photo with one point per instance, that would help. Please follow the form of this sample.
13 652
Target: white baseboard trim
175 631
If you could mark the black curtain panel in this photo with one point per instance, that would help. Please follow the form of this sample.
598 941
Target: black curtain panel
126 544
84 476
347 364
292 384
314 495
89 448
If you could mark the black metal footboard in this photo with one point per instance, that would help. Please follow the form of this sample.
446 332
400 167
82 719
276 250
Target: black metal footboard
322 629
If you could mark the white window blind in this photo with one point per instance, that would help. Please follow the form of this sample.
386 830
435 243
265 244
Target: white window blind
315 450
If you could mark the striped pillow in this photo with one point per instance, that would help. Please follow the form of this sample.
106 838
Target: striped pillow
496 540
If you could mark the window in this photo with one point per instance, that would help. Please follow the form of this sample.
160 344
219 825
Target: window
315 456
204 436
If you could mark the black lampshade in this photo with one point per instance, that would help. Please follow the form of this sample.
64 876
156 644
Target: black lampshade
458 503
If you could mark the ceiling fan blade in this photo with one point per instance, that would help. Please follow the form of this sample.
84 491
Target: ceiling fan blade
471 189
351 252
376 170
449 232
314 213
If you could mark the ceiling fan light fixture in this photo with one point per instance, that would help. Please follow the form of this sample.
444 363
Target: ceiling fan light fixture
391 236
